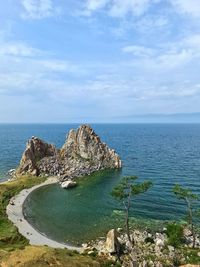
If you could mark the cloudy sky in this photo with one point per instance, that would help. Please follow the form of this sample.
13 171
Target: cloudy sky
98 60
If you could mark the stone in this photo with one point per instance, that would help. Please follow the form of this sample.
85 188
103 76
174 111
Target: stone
84 245
82 154
91 252
12 174
187 232
158 264
171 248
160 243
68 184
112 244
144 264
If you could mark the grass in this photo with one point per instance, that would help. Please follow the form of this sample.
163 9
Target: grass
191 255
9 236
33 256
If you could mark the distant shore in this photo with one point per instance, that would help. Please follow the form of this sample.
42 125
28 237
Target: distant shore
15 214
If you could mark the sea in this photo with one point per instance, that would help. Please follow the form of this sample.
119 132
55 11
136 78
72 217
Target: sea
165 154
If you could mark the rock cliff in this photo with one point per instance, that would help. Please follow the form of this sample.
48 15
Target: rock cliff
82 153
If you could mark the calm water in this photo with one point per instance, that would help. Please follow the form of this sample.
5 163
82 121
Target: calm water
163 153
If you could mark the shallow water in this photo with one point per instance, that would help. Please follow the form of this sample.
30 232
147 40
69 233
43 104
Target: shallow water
163 153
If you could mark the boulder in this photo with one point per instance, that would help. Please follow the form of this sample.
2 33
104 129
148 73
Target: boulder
160 243
82 154
112 244
187 232
68 184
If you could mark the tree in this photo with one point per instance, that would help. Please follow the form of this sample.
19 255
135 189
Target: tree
189 198
125 191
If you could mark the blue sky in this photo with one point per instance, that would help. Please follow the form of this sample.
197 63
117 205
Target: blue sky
98 60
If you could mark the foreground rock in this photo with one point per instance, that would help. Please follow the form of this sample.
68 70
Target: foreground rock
82 154
112 244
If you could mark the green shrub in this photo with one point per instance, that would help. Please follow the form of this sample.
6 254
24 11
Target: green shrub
175 234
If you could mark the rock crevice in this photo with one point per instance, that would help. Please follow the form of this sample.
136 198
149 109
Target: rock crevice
82 154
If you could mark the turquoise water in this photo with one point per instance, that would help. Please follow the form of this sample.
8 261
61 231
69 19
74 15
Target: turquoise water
163 153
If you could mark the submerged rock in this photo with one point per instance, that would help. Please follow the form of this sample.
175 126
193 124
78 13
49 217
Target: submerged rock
82 154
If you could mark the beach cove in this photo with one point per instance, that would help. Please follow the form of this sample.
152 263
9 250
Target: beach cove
15 214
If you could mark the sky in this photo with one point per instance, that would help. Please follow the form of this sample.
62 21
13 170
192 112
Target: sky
98 60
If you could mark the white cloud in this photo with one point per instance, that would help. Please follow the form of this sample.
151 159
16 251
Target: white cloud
120 8
173 60
193 42
166 56
39 9
17 49
191 7
96 4
140 51
59 66
148 24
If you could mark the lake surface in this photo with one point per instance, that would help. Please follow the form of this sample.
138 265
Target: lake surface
164 153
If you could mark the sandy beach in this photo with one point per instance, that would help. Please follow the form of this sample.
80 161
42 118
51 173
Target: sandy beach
15 214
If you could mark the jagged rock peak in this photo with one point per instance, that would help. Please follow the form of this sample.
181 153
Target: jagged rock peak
36 149
82 153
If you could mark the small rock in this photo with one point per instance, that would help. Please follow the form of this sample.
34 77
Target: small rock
144 264
187 232
85 245
68 184
158 264
160 243
91 252
171 248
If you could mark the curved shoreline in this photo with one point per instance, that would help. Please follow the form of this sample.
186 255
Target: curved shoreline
15 214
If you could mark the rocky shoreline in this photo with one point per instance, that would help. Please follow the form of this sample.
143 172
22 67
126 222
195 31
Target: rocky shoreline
148 249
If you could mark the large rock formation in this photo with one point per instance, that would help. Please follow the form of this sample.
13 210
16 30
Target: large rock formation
82 154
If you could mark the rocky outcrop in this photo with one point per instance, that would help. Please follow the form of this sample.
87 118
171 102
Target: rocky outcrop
112 244
82 154
36 150
149 249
